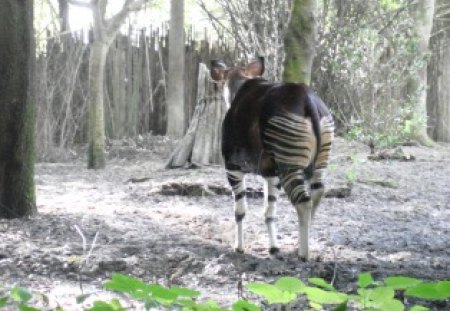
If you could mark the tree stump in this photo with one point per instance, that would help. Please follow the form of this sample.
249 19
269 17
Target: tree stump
201 144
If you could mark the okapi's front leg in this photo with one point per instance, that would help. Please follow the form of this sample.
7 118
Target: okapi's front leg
237 183
271 187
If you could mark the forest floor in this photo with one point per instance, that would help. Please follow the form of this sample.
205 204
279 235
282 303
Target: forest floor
155 224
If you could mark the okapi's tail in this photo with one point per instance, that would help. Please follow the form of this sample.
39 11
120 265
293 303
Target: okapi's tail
312 108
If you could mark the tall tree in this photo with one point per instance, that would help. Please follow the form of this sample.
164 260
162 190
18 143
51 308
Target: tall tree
438 98
175 88
17 57
104 30
299 42
64 15
423 12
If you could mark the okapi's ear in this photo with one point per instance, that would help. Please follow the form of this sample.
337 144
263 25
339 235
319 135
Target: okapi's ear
218 70
255 68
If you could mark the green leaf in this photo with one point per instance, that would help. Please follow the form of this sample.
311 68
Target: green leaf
3 301
20 294
382 293
401 282
244 305
184 292
428 291
365 279
321 283
105 306
161 294
290 284
419 308
209 306
123 283
342 306
321 296
27 308
444 288
391 305
271 293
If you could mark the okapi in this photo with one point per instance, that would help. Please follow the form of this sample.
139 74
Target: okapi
282 131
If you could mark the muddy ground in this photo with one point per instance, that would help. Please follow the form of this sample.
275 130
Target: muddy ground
396 220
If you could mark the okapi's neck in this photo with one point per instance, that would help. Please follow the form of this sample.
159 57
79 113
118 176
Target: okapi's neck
231 88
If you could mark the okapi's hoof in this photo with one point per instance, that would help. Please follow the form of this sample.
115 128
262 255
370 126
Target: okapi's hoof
274 250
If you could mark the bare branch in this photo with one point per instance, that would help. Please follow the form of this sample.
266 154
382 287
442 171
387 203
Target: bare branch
86 4
113 24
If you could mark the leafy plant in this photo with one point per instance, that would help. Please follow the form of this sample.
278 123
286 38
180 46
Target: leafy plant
371 295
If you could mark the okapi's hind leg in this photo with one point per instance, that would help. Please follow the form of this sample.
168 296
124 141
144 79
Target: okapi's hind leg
271 187
317 180
237 183
293 182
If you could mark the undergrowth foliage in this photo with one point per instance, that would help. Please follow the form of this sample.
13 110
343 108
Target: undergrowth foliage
365 63
316 294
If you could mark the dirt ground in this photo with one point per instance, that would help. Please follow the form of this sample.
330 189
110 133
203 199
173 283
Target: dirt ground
396 221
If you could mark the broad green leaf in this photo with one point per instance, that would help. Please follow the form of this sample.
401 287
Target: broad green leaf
444 288
209 306
365 279
271 293
321 283
3 301
123 283
104 306
419 308
290 284
382 293
27 308
342 306
186 303
315 306
401 282
321 296
429 291
20 294
184 292
391 305
163 295
244 305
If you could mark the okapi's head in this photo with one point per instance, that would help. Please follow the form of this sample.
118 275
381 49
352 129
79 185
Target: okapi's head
234 77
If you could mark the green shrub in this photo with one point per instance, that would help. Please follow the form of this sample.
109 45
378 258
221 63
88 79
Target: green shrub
370 295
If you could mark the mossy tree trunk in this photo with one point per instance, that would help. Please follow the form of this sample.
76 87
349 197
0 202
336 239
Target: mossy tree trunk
438 99
299 42
17 57
423 12
175 87
96 124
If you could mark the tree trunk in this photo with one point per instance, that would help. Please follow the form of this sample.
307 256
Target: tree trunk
417 88
17 57
64 15
201 144
299 42
438 99
96 123
175 88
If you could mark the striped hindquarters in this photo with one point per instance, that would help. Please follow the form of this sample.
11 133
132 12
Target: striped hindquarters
327 136
290 139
